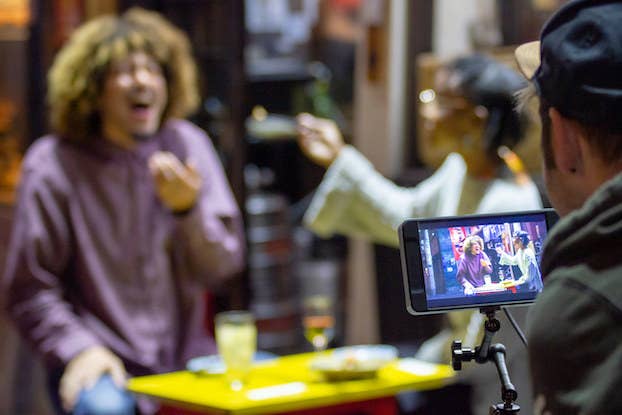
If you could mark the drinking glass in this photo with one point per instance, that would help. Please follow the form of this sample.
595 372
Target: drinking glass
318 320
236 337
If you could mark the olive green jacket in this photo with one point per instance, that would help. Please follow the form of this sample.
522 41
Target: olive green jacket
575 326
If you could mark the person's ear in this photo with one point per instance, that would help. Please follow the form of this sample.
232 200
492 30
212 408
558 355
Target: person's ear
565 142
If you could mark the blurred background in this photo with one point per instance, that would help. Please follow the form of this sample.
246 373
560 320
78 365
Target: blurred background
361 63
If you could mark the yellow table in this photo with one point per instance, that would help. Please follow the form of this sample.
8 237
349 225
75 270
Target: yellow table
286 384
497 287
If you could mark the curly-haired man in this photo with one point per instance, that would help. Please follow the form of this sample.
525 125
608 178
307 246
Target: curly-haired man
124 214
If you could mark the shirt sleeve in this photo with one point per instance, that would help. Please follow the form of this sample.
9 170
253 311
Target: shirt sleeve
33 281
355 200
211 235
506 259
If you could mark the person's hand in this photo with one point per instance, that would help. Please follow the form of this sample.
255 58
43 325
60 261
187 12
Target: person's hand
499 250
484 263
177 184
84 370
468 288
319 139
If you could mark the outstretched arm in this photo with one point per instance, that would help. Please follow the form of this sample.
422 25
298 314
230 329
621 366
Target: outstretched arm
354 199
505 259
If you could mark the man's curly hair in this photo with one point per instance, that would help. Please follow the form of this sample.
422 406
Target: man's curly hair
468 244
76 77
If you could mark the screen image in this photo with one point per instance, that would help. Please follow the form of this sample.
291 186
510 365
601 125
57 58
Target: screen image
472 263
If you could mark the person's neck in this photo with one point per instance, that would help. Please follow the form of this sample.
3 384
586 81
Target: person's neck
126 143
597 172
118 138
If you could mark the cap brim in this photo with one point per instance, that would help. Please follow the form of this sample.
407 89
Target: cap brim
528 58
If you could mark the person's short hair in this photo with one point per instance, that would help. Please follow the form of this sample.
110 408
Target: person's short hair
576 69
523 236
75 80
485 81
469 241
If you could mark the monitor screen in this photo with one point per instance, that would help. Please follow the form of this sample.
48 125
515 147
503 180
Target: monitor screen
480 261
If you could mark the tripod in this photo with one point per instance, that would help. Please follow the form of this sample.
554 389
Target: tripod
486 352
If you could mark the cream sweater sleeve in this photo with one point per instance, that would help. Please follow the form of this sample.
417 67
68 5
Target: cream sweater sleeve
355 200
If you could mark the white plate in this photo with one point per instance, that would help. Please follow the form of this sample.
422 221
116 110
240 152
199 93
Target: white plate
354 362
213 363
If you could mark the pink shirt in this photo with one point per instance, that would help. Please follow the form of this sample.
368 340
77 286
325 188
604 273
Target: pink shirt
96 259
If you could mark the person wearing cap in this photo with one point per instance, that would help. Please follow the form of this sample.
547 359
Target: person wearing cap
124 217
525 258
469 116
575 325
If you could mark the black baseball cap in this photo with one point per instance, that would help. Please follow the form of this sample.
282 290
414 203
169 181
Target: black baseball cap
577 64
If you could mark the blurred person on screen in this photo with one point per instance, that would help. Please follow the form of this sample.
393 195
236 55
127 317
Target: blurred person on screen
525 258
470 116
474 265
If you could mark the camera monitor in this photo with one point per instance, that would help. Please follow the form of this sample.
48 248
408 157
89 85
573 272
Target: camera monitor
473 261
